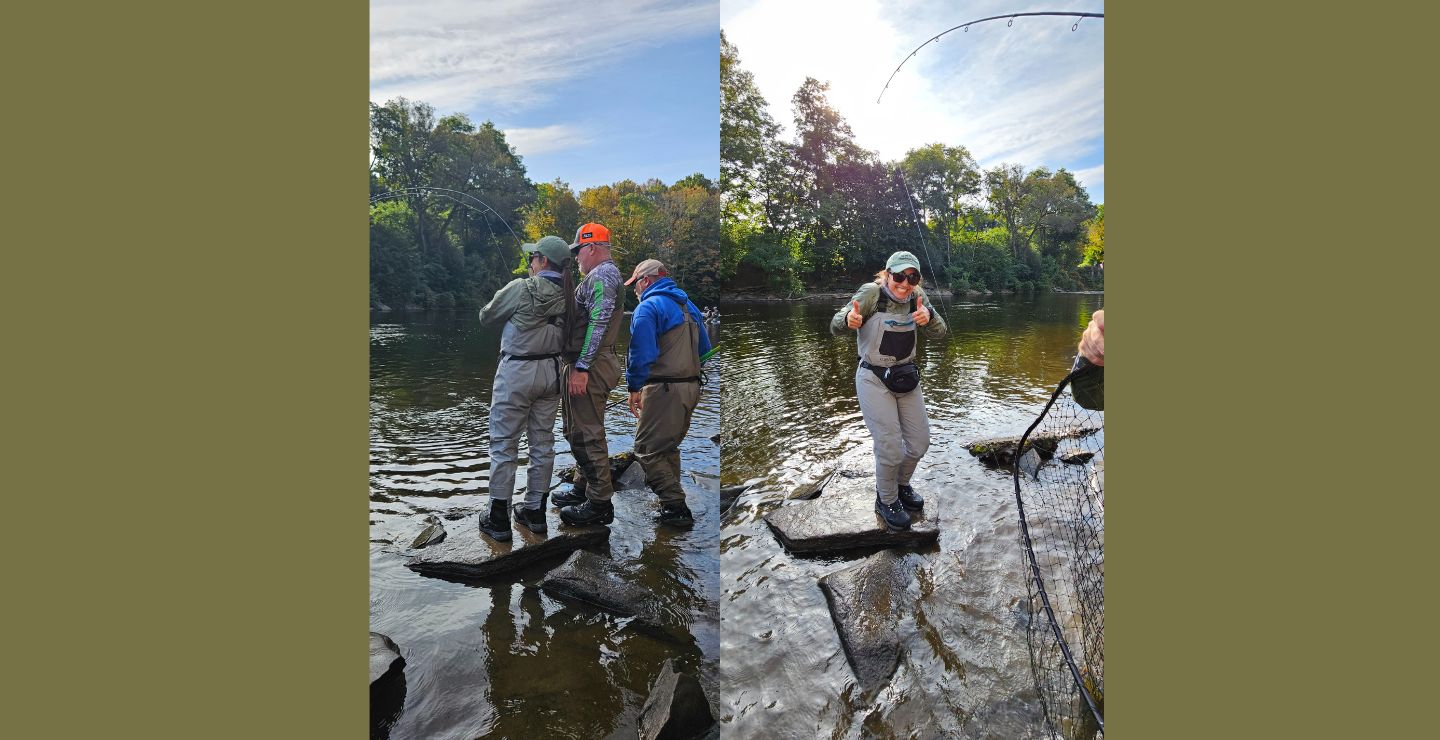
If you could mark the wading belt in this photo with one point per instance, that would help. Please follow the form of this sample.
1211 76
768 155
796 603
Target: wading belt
553 357
654 380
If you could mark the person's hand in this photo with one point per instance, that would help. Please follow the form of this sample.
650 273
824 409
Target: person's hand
921 315
635 404
578 380
1092 342
854 319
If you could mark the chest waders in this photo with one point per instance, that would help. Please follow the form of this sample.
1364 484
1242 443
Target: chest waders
583 416
524 399
668 400
896 419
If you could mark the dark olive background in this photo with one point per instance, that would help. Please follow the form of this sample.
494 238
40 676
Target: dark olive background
185 299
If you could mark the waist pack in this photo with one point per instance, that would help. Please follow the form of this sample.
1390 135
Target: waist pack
897 378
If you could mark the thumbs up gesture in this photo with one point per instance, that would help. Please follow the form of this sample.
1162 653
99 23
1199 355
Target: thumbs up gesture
854 319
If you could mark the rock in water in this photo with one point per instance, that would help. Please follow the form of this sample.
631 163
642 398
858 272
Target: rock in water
1030 463
387 684
604 583
845 519
474 556
633 477
728 494
1075 456
618 463
869 601
813 489
431 534
384 657
676 708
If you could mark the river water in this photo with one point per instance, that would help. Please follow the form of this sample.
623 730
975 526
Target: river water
790 414
502 659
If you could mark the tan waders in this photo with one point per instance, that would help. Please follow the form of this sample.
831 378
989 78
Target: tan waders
667 401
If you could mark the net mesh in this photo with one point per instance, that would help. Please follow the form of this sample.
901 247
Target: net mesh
1059 474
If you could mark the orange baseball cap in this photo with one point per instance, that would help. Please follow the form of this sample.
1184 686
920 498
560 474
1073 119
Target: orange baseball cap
590 234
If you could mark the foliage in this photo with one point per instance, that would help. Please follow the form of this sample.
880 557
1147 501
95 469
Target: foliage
820 211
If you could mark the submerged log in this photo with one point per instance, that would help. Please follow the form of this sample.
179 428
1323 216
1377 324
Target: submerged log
1000 452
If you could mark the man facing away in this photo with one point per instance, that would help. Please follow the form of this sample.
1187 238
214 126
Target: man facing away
591 370
667 341
527 385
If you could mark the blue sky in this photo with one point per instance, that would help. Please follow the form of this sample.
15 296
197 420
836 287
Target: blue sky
1031 94
591 93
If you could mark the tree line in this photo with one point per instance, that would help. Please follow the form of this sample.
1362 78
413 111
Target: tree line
433 250
819 211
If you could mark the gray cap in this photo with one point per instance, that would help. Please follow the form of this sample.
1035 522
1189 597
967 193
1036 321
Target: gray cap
901 261
553 247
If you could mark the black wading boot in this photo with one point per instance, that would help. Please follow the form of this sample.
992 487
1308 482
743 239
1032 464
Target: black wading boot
590 512
675 515
911 500
572 496
896 520
532 519
497 522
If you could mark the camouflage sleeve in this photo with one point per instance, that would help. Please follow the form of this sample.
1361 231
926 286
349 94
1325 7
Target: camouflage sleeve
604 296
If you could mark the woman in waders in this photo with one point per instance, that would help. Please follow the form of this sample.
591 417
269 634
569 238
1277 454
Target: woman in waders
888 313
526 392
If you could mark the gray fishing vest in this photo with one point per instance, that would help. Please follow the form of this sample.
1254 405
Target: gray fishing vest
887 338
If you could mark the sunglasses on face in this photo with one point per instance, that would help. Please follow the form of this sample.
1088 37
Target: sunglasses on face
900 277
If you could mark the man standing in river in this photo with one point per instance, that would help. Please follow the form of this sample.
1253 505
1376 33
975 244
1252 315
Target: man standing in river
667 342
591 370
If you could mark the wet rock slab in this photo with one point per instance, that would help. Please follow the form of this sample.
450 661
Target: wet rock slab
844 518
469 555
676 708
869 602
387 684
385 660
604 583
1000 451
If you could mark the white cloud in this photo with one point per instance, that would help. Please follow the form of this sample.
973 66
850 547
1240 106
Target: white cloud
559 137
1031 94
454 54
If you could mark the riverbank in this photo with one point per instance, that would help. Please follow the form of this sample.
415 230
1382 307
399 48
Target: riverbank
825 296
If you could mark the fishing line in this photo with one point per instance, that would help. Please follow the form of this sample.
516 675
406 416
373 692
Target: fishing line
456 196
1010 21
910 200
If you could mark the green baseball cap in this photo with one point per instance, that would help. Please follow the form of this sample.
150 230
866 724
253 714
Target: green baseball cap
901 261
553 247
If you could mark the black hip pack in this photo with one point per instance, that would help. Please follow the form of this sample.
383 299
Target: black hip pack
897 378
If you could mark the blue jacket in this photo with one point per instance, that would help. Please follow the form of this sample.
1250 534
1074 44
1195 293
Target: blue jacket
657 313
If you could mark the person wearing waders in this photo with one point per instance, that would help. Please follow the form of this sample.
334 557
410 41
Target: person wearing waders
591 370
667 340
888 314
526 391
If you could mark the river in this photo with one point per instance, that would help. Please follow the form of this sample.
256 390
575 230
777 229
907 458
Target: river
790 413
502 659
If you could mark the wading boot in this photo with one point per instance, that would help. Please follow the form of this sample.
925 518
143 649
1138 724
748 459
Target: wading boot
497 522
911 500
675 515
896 520
532 519
590 512
573 496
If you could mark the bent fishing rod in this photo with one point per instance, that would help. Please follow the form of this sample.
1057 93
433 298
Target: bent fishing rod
456 196
966 26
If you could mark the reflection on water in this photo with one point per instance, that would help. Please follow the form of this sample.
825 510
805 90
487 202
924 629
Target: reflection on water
503 659
790 414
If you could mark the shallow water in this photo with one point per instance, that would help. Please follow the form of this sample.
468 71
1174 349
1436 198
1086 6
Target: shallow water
502 659
790 414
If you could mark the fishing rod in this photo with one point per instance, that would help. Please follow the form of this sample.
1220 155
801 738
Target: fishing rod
456 196
966 26
910 200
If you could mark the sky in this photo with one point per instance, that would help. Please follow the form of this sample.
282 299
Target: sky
587 92
1031 94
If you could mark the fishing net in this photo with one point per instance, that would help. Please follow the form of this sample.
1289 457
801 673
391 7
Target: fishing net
1059 473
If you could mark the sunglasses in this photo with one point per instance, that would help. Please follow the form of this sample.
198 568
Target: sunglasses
900 277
